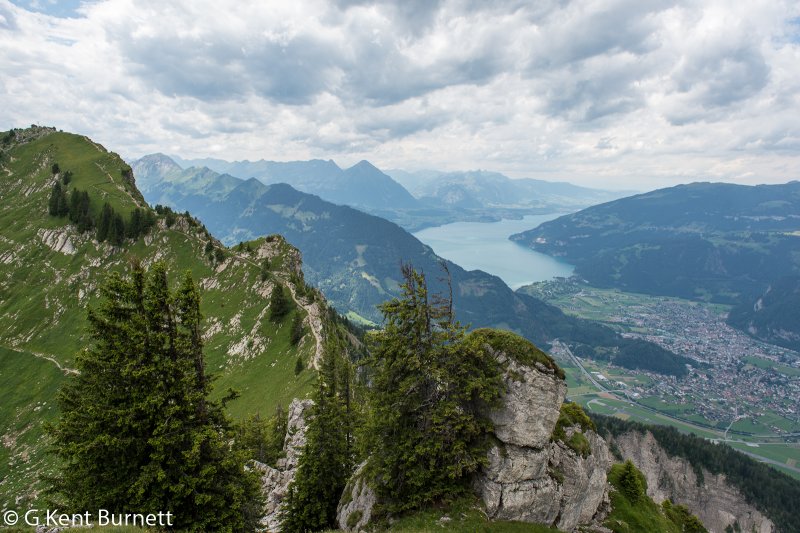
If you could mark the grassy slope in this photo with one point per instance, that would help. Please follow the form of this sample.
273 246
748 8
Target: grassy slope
634 517
44 295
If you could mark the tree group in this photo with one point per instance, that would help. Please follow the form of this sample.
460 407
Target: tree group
138 432
430 387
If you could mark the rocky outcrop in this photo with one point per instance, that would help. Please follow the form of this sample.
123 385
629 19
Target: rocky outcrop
275 481
358 499
532 477
58 239
715 502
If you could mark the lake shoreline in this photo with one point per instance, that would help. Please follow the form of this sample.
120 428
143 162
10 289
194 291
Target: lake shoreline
486 246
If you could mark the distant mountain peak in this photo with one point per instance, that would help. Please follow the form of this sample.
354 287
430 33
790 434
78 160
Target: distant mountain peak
364 166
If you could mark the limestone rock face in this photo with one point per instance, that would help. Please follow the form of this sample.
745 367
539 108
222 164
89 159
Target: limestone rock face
355 507
715 502
531 478
275 481
531 405
58 239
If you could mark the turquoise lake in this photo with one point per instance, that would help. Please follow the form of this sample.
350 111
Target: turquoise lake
485 246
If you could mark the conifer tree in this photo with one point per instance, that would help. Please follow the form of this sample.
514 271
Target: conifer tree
297 331
116 229
138 432
135 226
54 205
74 205
104 222
324 465
632 482
262 439
279 304
429 389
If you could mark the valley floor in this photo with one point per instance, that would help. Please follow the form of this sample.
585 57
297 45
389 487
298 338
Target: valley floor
745 392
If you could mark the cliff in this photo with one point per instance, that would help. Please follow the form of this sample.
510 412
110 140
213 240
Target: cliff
715 502
537 473
545 466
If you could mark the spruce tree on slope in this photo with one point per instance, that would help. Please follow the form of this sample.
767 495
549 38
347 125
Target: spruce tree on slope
137 431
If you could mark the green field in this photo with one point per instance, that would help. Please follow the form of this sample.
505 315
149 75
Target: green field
771 365
602 404
604 305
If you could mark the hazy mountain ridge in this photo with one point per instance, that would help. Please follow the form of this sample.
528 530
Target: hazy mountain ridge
493 189
436 197
361 185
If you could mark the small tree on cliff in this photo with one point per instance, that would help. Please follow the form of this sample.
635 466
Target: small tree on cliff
138 432
326 461
430 386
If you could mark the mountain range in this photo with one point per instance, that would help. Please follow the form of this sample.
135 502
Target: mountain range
482 188
447 197
355 257
56 251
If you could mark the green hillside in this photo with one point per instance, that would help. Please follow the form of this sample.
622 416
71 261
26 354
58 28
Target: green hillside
49 275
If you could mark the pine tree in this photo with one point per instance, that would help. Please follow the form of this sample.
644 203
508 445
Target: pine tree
54 205
104 223
297 331
116 230
430 387
74 206
279 304
632 483
85 220
138 431
262 439
324 465
135 226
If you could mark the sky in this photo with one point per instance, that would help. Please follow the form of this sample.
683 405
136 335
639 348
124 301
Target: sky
610 93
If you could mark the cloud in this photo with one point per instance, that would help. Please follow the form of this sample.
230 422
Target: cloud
602 92
7 20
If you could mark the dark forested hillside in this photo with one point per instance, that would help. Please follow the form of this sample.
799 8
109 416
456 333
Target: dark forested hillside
774 315
712 240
